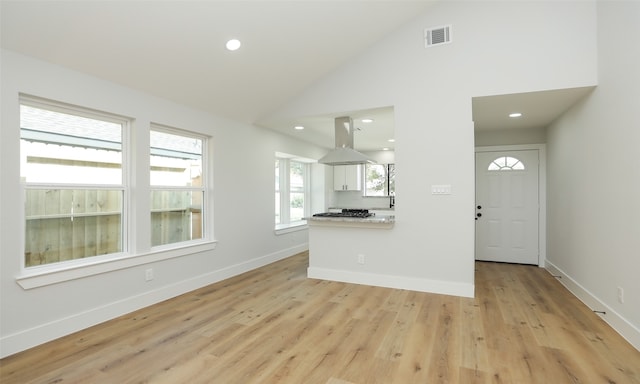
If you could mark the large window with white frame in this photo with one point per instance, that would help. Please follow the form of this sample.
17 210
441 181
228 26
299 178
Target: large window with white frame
178 186
292 196
73 171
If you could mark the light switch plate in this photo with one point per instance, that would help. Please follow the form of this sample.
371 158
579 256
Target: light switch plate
443 189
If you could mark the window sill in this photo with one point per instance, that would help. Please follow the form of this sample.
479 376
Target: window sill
282 229
47 275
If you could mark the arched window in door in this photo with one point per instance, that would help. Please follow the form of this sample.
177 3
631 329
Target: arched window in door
506 163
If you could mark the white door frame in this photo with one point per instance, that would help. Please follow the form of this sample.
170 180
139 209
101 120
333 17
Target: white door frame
542 190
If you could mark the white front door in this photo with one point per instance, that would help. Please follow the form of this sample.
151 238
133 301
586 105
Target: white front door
507 206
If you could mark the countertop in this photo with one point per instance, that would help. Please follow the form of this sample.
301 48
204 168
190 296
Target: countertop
370 209
385 221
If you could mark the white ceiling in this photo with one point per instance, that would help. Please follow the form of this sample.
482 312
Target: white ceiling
175 50
320 130
538 109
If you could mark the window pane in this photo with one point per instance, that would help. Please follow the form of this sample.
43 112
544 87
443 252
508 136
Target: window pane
391 169
62 148
176 216
69 224
296 178
375 179
506 163
296 191
297 206
277 172
278 219
176 160
291 191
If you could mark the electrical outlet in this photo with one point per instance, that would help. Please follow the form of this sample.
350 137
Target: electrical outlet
620 295
360 259
148 274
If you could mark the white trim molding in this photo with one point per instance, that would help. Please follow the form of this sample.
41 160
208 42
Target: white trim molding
20 341
396 282
627 330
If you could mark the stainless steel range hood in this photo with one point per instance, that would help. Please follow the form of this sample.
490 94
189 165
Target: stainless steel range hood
343 153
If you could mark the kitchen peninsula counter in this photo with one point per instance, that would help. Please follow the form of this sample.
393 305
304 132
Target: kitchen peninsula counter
376 221
350 249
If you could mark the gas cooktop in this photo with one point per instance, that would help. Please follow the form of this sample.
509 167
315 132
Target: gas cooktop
358 213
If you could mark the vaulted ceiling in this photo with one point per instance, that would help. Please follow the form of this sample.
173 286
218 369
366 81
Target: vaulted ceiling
176 50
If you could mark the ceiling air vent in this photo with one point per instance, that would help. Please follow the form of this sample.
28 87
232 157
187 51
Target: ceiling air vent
437 36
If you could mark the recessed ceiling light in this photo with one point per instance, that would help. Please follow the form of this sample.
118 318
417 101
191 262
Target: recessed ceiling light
298 127
385 149
367 120
233 44
515 114
392 140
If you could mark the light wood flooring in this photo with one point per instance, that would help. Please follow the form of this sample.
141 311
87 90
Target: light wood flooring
273 325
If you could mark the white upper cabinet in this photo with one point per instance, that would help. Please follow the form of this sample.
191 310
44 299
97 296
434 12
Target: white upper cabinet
347 177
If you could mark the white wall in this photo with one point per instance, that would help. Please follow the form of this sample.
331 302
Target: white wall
594 179
354 199
511 137
243 208
497 48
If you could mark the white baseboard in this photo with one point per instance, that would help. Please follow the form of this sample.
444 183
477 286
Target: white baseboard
398 282
627 330
43 333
